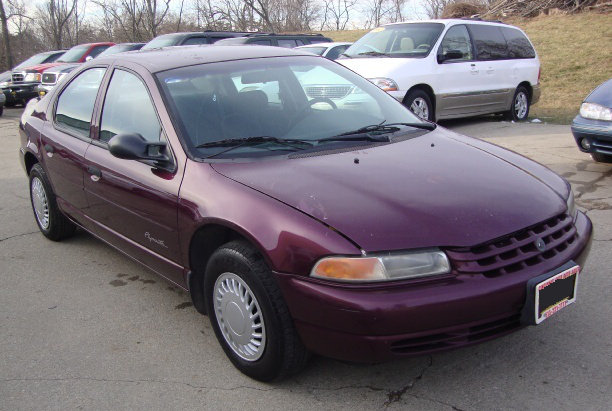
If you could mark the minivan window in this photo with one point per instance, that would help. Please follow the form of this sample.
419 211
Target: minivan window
397 40
195 40
287 43
128 109
334 53
263 42
489 42
457 38
75 104
518 45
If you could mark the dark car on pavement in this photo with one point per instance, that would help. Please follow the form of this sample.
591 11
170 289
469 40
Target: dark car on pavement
52 76
190 38
25 81
354 231
40 58
592 127
276 40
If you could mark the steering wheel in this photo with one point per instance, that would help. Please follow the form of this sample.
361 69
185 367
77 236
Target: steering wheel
423 46
298 116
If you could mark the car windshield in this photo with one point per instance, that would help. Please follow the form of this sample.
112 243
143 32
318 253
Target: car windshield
287 98
162 41
32 61
397 40
73 55
115 49
314 50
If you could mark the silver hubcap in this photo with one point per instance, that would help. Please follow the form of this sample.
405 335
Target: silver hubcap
520 105
419 107
239 317
40 202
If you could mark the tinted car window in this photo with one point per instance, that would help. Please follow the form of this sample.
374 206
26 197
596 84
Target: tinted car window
457 38
315 50
518 45
195 40
262 42
287 43
75 104
73 55
128 109
97 50
489 42
334 53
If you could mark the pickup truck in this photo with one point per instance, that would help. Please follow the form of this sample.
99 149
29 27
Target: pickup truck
25 81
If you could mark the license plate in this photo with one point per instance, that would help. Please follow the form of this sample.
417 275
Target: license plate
14 93
549 293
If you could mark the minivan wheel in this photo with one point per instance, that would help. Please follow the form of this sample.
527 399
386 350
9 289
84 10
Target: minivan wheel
249 315
519 111
420 104
52 223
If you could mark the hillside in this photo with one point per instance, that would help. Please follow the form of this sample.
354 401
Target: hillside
576 55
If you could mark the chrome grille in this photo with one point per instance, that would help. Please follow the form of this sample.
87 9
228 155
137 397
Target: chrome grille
517 251
17 77
333 92
49 78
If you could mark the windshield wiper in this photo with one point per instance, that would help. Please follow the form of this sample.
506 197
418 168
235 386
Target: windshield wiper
346 55
373 53
233 143
375 132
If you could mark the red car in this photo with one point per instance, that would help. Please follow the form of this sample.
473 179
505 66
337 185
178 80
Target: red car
25 80
329 220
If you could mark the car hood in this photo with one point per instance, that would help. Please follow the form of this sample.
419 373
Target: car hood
41 67
370 67
63 68
433 190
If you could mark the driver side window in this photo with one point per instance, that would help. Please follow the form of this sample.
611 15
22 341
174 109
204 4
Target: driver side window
128 109
457 38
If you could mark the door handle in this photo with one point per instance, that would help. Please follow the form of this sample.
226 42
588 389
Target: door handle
95 173
49 150
473 69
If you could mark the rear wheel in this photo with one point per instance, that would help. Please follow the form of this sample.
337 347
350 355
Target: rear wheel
249 315
601 158
519 111
420 104
51 222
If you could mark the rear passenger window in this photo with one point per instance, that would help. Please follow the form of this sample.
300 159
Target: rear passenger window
287 43
195 40
518 45
128 109
489 42
261 42
75 104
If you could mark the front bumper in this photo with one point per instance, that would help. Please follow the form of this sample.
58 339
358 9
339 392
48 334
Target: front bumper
378 323
20 93
597 132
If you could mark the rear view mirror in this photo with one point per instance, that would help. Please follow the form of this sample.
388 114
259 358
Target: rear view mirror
450 55
133 146
88 58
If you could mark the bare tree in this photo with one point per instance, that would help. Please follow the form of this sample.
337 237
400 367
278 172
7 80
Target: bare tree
154 14
337 13
434 8
377 11
6 38
53 17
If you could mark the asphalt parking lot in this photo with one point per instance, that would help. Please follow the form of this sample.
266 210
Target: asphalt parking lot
83 327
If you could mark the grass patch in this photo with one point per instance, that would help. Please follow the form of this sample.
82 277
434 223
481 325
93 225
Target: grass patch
575 53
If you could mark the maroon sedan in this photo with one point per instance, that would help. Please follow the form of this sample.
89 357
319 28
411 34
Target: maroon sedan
303 208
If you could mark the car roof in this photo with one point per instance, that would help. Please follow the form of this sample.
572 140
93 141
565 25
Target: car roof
448 22
202 33
329 44
166 58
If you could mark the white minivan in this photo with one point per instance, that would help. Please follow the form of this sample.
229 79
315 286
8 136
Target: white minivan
451 68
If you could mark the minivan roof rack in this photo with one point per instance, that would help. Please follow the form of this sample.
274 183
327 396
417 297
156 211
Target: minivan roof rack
477 17
284 34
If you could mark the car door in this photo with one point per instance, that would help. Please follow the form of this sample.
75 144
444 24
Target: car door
133 203
66 138
460 87
492 54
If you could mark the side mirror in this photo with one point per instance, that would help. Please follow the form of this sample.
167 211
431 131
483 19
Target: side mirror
133 146
88 58
450 55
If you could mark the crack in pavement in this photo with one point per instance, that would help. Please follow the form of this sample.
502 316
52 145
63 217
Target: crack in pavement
395 396
421 397
18 235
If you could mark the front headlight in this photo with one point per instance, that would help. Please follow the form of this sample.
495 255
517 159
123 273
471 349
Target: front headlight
571 205
4 84
595 111
32 77
392 266
385 84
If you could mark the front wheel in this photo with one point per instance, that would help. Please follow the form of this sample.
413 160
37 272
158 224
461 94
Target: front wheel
249 315
52 223
520 105
420 104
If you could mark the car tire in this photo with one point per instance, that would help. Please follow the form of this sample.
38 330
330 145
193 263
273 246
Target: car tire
420 104
519 110
52 223
601 158
237 282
